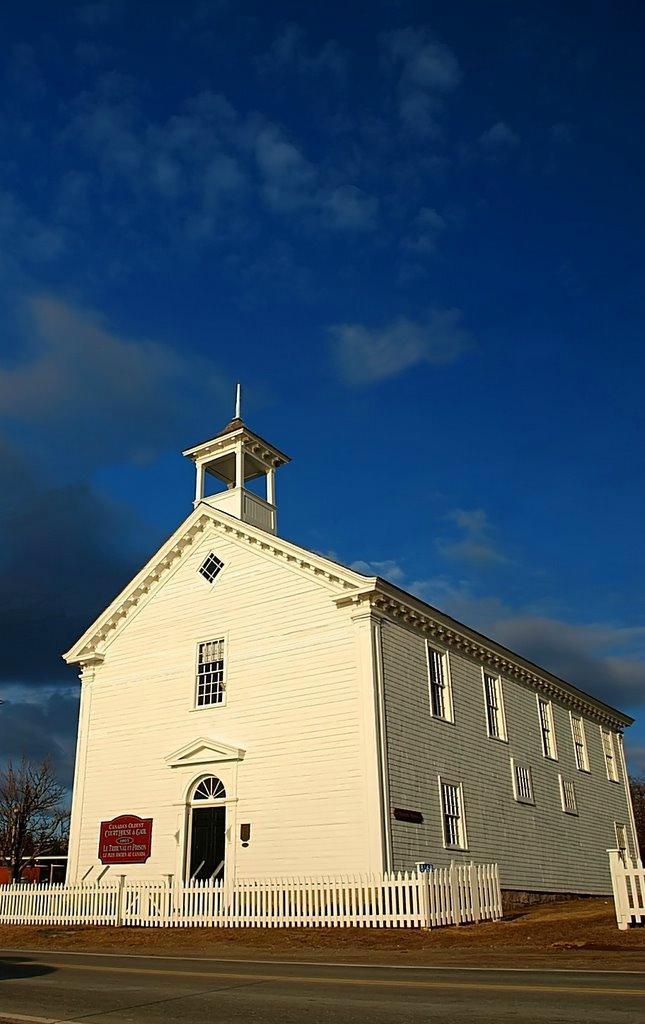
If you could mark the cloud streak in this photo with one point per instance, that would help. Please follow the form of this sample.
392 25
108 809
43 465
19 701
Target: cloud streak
71 551
368 355
498 139
108 395
82 395
423 238
208 164
475 544
291 51
604 659
427 71
39 724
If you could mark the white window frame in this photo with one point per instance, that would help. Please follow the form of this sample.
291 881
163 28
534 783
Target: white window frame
449 712
573 810
551 727
613 775
501 710
583 738
211 583
224 684
624 848
517 796
463 844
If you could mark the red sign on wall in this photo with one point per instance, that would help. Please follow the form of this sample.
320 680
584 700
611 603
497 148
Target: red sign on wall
125 840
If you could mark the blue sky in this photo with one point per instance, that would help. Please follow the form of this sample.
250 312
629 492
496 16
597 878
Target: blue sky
412 230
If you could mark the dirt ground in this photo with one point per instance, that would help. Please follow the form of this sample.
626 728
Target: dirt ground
578 933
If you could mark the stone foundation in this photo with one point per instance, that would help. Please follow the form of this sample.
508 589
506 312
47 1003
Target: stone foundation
520 899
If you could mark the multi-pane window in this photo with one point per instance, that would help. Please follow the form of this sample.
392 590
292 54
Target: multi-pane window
210 673
440 697
579 743
621 838
522 783
211 567
494 707
610 754
568 796
545 709
452 812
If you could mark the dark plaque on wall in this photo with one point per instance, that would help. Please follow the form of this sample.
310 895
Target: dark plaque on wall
402 814
125 840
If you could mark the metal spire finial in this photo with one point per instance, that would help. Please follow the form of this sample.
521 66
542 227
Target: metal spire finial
238 401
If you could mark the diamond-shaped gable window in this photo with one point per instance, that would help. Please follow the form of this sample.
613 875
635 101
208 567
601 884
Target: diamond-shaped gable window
211 567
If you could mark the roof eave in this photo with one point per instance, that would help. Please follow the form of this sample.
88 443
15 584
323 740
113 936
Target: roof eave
193 452
391 590
85 647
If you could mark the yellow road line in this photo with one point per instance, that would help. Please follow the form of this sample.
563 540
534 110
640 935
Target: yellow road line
365 982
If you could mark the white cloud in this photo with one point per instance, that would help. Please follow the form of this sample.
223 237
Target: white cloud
427 227
367 355
388 570
427 72
95 16
288 180
290 50
424 62
207 162
498 138
350 207
475 544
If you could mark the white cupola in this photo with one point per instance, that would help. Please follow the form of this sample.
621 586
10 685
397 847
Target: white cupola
234 457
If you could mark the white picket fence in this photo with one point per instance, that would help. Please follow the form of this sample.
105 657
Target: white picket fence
628 883
453 895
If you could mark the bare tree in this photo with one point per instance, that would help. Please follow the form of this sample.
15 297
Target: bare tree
33 821
637 787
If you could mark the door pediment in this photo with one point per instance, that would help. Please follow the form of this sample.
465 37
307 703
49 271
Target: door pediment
204 751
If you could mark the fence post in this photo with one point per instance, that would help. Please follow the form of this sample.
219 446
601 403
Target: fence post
423 881
499 908
455 901
169 899
120 901
619 885
473 884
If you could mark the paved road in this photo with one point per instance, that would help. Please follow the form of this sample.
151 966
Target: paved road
106 989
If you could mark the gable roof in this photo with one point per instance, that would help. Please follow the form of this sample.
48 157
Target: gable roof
348 588
338 577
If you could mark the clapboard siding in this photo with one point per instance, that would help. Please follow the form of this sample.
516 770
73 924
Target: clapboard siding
537 847
293 705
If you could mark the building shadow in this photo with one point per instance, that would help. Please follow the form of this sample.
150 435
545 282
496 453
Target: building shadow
15 968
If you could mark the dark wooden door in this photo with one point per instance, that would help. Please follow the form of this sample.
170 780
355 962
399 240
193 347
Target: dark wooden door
207 842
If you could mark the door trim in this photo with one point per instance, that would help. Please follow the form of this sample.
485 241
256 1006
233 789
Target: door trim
204 805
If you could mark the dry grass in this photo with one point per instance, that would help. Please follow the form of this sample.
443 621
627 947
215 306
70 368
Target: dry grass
571 933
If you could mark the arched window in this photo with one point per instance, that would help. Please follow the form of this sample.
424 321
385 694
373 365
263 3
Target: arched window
209 788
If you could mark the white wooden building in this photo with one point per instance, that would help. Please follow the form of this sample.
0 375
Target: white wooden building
268 712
